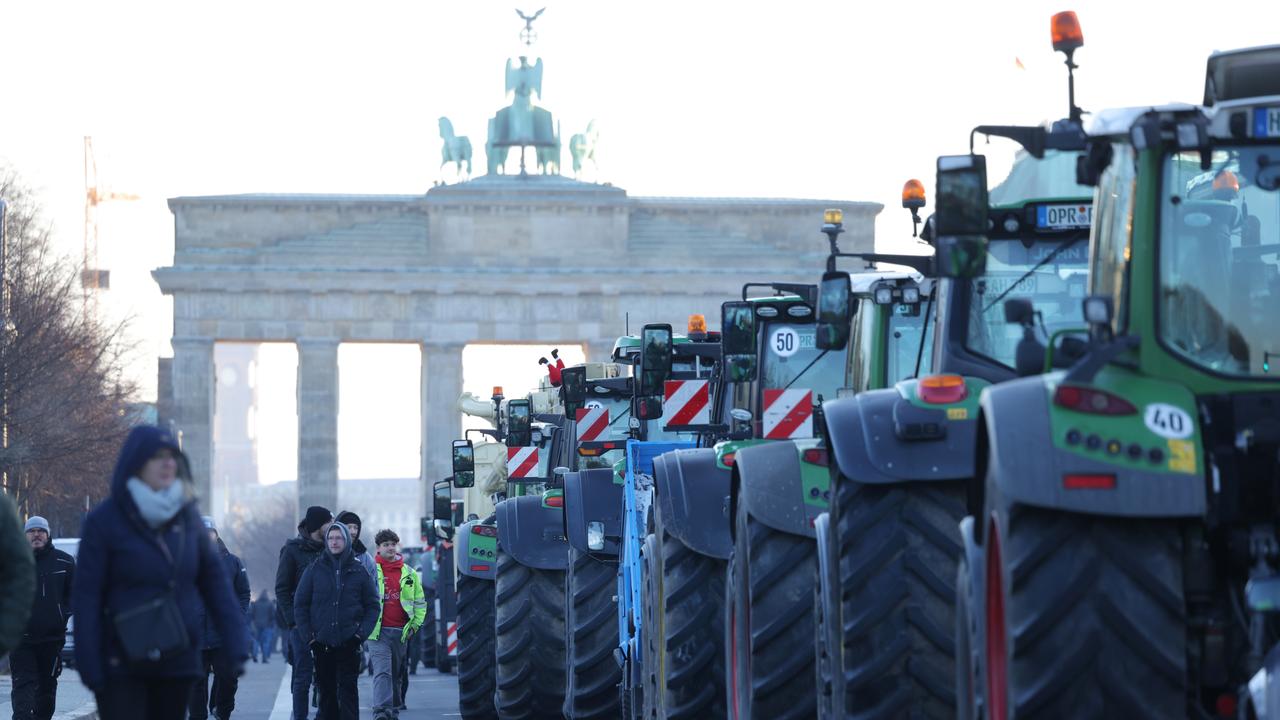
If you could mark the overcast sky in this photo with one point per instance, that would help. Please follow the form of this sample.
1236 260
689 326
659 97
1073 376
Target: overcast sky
798 99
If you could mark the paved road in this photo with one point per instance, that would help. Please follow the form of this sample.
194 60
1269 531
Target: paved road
264 695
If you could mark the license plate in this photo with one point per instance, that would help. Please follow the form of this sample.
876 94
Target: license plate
1063 217
1266 122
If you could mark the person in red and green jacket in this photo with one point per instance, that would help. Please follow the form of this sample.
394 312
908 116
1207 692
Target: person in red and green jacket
404 607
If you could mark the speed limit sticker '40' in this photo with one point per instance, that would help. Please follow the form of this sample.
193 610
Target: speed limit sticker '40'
1169 421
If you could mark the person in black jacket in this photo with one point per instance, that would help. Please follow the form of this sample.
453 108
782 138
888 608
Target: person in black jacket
223 699
35 662
295 557
145 554
263 617
335 609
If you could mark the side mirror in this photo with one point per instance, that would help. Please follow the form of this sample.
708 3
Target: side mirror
962 204
464 464
573 383
518 424
442 508
648 408
961 256
738 340
835 308
655 359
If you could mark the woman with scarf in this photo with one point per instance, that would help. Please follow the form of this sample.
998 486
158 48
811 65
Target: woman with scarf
146 573
336 609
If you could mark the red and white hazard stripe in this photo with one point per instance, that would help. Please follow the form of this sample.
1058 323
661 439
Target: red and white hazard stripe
686 402
522 462
452 640
592 423
788 414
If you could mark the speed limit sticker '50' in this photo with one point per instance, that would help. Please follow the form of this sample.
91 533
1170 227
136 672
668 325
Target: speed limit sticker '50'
1169 421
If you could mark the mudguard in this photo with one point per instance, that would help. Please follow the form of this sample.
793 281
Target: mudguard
768 477
592 496
692 493
975 564
477 550
866 434
1026 467
533 534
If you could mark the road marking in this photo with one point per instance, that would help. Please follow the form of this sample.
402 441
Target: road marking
284 699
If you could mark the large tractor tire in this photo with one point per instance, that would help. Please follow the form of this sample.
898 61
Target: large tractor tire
968 644
651 623
898 546
476 656
591 628
769 634
826 640
689 631
1084 615
529 624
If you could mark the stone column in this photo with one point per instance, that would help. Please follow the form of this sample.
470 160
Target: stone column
193 409
317 423
441 420
600 349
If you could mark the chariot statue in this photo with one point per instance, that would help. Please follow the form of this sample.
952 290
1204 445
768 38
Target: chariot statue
523 124
456 150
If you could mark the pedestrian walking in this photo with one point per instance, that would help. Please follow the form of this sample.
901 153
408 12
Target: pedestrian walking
222 699
36 662
403 608
335 609
295 557
145 571
263 615
17 577
352 521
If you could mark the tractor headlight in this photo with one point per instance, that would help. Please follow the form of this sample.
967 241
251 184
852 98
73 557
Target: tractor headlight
595 535
911 295
883 295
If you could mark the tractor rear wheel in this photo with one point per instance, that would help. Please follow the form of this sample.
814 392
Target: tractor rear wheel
968 643
1083 612
769 592
690 617
476 656
651 629
529 630
591 627
898 546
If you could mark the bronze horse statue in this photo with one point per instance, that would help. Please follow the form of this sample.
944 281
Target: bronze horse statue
457 149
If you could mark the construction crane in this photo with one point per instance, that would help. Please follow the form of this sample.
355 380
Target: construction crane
93 278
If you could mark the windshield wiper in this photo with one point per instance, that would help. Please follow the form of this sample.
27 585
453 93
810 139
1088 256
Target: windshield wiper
1048 258
622 415
806 368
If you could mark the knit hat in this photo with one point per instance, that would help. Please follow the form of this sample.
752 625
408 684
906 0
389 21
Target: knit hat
208 523
316 517
346 517
36 522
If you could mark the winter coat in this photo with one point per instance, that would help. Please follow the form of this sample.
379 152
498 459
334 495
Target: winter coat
17 577
263 613
295 557
123 563
365 560
412 599
335 603
239 584
51 606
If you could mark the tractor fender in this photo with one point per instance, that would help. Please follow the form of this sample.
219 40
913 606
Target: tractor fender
768 478
692 491
533 534
1026 467
592 496
477 550
865 435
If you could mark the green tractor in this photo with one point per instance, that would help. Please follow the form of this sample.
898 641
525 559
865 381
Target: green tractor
1122 546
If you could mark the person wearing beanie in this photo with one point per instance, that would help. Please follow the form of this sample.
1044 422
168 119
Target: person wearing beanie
295 557
352 521
35 663
145 543
334 610
222 699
